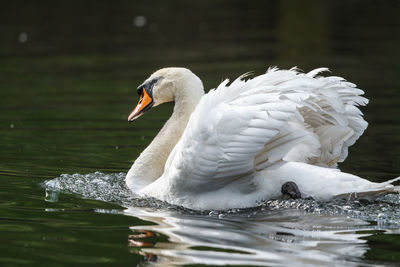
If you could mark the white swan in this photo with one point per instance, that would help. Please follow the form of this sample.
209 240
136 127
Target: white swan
239 143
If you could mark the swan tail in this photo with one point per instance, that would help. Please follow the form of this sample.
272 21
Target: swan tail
376 190
392 181
324 184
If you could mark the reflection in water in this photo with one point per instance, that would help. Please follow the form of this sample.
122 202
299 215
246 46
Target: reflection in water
276 233
274 238
137 241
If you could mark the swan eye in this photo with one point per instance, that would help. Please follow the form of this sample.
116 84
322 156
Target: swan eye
148 86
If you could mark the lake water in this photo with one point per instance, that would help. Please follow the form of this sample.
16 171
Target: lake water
68 77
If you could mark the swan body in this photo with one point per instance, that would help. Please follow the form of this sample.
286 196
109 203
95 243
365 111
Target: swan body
239 143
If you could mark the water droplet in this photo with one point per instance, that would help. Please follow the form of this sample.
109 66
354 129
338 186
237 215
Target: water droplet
139 21
23 37
51 196
213 213
381 215
12 126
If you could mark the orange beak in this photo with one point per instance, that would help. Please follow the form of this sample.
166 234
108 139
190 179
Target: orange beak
144 104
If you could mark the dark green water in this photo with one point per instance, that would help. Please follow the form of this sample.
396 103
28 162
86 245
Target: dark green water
68 77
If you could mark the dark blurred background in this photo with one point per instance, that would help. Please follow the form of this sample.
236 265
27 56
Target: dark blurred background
69 69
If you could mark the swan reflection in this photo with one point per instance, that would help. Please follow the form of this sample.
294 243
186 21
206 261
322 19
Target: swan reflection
273 238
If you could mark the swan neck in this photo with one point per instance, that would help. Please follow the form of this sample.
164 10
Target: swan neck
150 164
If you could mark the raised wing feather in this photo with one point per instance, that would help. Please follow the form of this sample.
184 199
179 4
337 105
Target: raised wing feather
249 125
331 121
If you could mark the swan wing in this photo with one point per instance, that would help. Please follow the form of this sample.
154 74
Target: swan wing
330 123
250 124
337 121
228 128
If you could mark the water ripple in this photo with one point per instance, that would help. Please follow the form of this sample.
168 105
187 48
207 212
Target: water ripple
275 233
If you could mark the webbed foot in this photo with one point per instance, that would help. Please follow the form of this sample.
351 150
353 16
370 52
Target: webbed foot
290 190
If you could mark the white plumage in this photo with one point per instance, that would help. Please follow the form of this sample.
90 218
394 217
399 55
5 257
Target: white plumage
237 144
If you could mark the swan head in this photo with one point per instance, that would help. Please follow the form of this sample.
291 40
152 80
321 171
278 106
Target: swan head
166 85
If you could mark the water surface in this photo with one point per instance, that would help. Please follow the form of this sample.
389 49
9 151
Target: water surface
68 73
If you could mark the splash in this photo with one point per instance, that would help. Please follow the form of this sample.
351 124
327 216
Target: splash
383 210
97 186
111 188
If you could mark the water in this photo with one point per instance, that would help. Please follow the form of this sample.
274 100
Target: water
275 233
68 73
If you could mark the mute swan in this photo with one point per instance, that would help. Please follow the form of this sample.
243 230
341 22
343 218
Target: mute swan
238 144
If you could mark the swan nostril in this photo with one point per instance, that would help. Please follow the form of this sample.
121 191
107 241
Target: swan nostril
141 98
